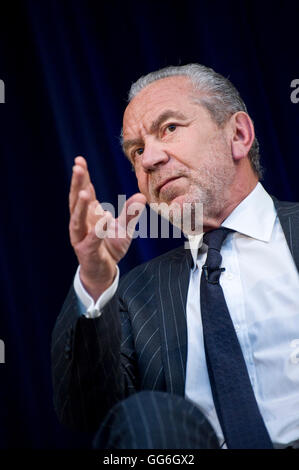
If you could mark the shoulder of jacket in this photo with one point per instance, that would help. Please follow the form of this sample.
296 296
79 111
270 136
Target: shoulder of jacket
148 268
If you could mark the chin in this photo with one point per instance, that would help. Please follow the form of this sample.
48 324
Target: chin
171 197
183 213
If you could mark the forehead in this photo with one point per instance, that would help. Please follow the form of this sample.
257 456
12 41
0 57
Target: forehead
166 93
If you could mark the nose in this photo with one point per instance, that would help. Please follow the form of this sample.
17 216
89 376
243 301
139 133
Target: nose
154 154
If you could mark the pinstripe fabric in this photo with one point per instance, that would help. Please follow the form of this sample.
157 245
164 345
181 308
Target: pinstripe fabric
288 213
155 420
78 357
138 343
171 291
145 320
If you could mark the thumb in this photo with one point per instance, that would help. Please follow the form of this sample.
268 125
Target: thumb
131 213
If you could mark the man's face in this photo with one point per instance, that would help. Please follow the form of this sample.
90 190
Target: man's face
179 153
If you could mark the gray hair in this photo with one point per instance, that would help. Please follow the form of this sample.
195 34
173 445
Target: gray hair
220 97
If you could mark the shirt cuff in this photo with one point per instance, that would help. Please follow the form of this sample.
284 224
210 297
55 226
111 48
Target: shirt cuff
88 307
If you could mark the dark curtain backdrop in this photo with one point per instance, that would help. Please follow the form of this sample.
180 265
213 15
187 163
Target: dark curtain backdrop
67 67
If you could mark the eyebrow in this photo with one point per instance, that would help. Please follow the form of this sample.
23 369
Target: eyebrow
154 127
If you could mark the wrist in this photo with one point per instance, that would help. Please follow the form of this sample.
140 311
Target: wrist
96 285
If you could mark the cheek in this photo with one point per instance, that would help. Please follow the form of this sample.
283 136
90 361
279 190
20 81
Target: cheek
189 153
142 182
200 151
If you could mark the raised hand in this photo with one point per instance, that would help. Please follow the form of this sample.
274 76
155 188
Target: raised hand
99 240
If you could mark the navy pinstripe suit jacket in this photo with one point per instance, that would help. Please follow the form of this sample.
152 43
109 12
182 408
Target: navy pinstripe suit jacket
140 340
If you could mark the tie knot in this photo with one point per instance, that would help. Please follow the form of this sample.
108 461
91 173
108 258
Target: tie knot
215 238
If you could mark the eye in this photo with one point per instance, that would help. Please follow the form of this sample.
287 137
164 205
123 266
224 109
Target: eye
170 128
138 151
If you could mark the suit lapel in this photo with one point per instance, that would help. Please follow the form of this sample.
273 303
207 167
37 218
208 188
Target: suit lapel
172 289
288 213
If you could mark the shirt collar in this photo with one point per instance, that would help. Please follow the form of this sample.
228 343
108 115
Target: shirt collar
254 217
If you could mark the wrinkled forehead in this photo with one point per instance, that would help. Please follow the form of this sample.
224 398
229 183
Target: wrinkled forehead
166 92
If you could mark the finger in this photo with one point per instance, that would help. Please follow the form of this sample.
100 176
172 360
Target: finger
103 225
92 191
82 163
78 221
80 180
94 211
79 160
76 186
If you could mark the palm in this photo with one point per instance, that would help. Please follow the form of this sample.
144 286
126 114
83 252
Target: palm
115 238
116 234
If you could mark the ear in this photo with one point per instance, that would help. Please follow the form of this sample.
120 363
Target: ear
243 135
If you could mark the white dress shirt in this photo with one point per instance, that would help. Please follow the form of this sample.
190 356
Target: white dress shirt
261 288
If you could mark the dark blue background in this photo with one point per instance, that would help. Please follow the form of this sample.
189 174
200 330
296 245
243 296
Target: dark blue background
67 67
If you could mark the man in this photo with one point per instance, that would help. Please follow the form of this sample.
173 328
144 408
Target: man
193 349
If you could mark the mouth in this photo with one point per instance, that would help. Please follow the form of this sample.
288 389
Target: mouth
166 182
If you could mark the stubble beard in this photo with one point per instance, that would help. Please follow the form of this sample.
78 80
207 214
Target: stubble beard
212 188
208 195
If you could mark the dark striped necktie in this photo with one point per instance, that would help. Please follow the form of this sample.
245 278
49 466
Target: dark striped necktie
238 413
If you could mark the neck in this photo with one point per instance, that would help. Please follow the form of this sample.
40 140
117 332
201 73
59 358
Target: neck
237 193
